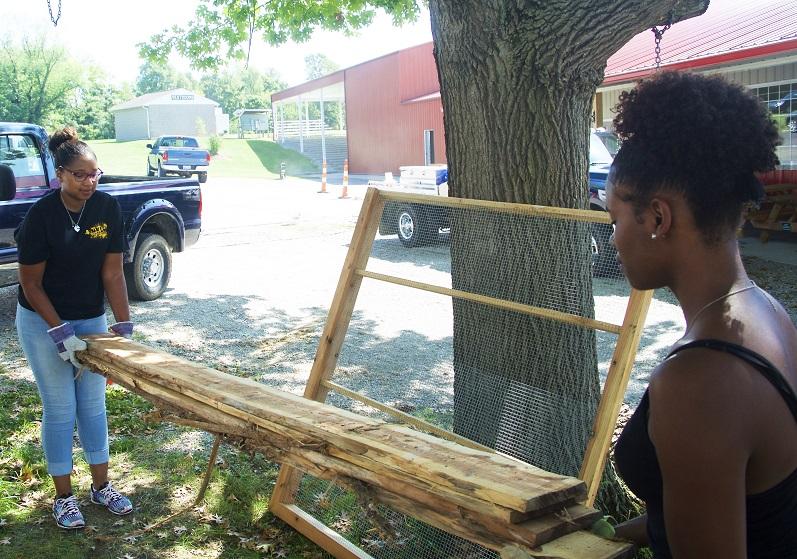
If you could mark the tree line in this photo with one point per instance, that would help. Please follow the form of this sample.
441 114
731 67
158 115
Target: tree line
42 84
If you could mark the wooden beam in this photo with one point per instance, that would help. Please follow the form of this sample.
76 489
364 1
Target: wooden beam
589 216
132 365
597 450
493 484
406 418
539 312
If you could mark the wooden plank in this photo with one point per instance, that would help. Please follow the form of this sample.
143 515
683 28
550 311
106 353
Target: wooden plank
580 545
371 443
317 532
406 418
597 450
540 312
420 502
590 216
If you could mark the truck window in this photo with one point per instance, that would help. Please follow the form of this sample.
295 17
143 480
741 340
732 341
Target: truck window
20 152
180 142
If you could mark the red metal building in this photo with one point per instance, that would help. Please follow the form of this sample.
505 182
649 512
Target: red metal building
391 100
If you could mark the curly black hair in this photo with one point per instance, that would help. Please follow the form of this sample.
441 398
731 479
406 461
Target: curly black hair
66 146
701 136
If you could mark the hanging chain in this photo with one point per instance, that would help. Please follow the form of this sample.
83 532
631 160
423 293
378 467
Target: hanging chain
54 19
658 33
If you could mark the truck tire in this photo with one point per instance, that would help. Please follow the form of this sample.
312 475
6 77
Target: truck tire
604 263
414 227
147 276
149 170
203 177
161 172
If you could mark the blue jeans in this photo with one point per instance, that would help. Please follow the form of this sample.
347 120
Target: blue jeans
64 398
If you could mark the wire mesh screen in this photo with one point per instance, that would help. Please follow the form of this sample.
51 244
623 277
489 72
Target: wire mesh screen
495 326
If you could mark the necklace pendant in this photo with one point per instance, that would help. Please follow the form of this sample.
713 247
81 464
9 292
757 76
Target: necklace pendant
76 227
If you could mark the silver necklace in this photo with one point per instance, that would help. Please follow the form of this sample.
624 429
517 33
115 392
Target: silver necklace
717 300
75 224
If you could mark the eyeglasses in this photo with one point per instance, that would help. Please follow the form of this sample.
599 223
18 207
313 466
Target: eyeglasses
80 176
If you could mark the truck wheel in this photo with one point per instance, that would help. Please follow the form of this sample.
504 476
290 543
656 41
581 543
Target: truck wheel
161 172
149 170
147 276
203 177
414 228
604 263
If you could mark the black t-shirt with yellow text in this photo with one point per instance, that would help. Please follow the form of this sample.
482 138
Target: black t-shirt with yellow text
72 274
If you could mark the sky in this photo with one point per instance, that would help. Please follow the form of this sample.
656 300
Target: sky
105 32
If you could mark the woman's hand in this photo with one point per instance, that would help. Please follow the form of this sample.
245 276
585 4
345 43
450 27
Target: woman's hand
67 343
123 328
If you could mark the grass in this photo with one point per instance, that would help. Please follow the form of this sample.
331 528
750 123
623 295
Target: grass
160 467
246 158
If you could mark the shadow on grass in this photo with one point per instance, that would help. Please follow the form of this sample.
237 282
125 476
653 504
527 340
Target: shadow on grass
272 155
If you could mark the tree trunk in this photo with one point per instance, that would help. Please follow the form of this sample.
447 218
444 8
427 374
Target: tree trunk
517 81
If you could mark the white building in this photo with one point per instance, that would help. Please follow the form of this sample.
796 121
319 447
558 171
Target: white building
178 111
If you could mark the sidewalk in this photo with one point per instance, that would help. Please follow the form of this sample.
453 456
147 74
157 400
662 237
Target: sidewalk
782 251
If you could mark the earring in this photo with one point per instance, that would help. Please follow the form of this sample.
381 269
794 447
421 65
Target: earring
653 235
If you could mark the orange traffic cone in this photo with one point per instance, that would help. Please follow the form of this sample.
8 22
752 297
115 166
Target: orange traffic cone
323 177
345 192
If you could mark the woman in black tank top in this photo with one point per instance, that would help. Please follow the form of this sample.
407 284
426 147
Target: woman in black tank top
712 447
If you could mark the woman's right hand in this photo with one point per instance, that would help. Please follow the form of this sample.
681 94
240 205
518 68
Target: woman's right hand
67 343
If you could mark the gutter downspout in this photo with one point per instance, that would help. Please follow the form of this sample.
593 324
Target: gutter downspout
149 135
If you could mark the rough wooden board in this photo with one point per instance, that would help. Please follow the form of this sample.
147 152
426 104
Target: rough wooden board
583 545
487 476
399 494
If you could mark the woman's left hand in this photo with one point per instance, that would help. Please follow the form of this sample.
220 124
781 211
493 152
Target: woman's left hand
124 329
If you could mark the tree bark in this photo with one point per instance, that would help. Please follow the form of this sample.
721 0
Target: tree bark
517 81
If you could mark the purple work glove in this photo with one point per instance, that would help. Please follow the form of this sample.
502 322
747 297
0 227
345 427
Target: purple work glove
124 329
67 343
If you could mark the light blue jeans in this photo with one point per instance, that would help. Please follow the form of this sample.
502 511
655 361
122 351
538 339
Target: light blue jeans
64 398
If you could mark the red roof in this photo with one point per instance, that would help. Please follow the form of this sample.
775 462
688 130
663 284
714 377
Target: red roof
729 31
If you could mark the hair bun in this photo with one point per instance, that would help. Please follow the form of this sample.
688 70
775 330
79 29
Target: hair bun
67 134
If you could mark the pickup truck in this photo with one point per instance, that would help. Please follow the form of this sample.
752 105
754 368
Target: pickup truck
161 216
177 155
418 225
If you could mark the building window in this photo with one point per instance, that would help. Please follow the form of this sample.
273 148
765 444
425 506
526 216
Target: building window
781 100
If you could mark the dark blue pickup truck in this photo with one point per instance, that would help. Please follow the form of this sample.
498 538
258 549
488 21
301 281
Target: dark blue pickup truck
161 215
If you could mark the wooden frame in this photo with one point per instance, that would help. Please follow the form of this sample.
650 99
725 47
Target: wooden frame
319 383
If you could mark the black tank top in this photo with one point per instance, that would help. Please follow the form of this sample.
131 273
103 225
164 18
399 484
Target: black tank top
771 515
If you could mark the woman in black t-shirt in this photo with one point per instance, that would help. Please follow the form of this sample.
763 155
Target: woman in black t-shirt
712 447
71 245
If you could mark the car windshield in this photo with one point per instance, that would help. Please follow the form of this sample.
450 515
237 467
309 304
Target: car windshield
598 154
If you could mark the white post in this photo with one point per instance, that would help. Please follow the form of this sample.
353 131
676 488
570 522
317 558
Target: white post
282 123
301 127
274 110
341 122
149 136
323 128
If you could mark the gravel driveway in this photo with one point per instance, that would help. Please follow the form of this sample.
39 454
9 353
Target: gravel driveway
252 296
